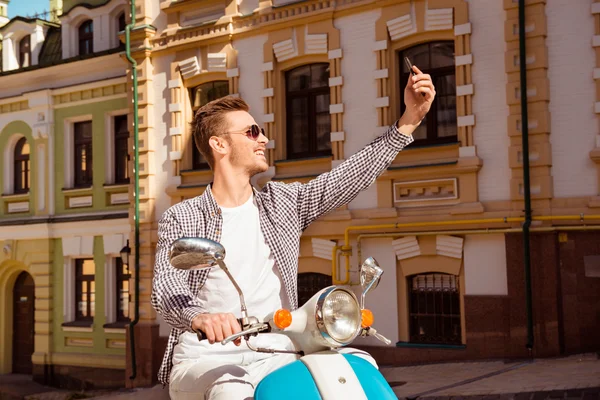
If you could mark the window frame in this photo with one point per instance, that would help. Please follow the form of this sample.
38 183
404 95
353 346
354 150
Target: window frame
432 138
311 94
121 277
80 181
18 160
79 277
121 177
197 161
456 317
24 41
84 38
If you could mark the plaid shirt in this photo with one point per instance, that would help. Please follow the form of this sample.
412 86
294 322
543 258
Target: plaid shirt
285 212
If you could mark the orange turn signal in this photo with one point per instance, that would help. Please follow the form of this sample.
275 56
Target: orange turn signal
367 318
282 318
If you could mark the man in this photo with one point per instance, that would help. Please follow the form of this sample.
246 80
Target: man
260 231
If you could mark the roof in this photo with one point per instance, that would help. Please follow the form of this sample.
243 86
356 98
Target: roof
29 21
51 51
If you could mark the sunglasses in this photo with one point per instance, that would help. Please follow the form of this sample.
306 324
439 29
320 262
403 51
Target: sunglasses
252 132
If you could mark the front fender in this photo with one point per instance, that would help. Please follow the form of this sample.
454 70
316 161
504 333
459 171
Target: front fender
295 382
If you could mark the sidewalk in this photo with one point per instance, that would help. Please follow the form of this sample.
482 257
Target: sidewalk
574 377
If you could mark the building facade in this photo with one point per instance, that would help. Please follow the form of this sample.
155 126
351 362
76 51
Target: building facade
444 221
65 195
323 78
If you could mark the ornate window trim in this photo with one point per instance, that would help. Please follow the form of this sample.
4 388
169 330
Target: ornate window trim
286 49
401 26
424 255
216 62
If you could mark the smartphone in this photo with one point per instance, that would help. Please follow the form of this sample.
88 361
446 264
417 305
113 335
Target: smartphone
409 65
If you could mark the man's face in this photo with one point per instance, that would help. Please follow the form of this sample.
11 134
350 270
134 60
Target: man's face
245 153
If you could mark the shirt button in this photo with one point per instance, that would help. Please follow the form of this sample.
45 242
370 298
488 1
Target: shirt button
218 232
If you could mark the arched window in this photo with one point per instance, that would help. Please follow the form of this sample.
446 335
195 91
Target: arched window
86 38
310 283
200 95
437 60
307 105
434 309
22 169
25 52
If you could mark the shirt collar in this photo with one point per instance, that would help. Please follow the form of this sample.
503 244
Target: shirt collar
209 205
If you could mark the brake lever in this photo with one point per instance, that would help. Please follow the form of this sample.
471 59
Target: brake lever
253 330
370 331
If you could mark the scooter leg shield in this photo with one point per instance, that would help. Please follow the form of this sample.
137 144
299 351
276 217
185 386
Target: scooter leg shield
291 382
373 383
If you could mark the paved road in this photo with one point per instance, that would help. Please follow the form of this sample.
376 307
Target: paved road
573 378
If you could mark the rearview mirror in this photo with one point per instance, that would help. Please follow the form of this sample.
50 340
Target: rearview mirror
195 253
370 275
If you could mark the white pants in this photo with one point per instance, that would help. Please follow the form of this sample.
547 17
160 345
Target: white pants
230 377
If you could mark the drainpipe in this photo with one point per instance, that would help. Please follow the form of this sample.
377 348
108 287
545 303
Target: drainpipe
136 161
526 184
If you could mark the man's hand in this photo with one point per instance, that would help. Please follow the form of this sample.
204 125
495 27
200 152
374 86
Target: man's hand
418 97
217 327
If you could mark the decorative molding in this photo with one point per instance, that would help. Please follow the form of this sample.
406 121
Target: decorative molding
380 45
336 81
84 201
285 49
406 247
382 102
449 246
316 44
269 118
426 190
466 59
323 248
463 29
175 83
381 73
335 54
175 107
464 90
465 120
189 67
233 73
78 246
217 62
336 108
401 27
268 66
175 131
18 207
269 92
338 136
438 19
174 155
91 95
119 198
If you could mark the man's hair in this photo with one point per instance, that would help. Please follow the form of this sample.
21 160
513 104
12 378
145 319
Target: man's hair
209 121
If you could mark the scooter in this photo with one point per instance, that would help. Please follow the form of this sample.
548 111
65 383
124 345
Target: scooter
331 319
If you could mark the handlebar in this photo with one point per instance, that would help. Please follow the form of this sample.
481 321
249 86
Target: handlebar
202 336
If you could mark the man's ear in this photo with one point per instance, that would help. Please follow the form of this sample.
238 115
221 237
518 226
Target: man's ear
218 144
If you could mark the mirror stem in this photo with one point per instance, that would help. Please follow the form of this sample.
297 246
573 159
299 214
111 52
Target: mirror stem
244 310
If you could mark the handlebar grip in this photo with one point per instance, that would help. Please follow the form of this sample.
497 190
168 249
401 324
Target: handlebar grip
202 336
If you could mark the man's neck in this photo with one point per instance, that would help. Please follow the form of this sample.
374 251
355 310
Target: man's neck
231 189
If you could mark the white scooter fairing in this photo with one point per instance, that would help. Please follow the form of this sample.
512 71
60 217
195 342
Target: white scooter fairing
331 319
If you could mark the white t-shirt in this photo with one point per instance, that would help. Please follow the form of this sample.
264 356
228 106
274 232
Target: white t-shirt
251 263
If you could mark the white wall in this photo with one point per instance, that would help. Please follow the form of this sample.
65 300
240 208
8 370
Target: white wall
382 301
485 265
251 83
359 90
489 99
572 95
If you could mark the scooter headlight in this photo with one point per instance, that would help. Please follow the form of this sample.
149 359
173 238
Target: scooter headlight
338 316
